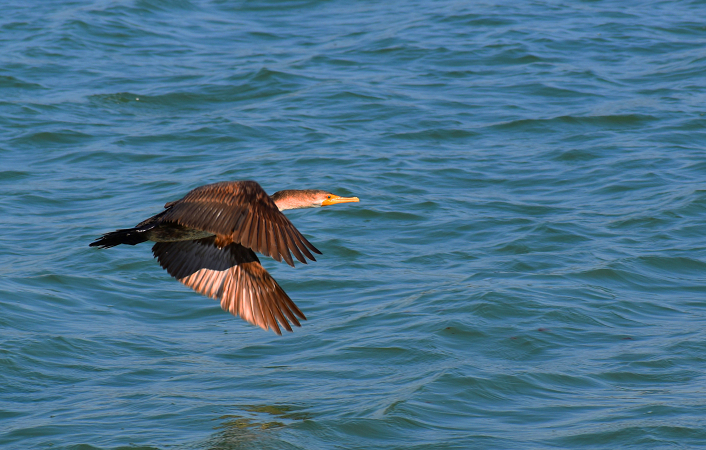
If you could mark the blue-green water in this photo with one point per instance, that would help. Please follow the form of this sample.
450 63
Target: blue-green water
526 268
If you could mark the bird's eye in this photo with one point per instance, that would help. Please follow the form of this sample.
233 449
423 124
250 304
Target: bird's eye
329 197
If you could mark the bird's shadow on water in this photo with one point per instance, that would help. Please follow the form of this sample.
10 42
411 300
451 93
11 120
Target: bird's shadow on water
257 426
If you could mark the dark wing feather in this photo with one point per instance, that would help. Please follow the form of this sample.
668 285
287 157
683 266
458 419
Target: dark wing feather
234 276
243 212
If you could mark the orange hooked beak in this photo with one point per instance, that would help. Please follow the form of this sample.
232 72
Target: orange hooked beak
334 199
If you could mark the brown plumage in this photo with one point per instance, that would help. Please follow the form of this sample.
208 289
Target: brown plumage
207 240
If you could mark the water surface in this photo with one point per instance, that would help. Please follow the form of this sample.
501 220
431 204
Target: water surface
525 268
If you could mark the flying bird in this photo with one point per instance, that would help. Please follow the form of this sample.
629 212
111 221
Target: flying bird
208 239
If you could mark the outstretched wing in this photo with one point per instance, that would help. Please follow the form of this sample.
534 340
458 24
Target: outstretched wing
243 213
233 275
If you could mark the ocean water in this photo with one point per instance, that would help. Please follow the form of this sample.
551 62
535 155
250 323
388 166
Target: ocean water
526 268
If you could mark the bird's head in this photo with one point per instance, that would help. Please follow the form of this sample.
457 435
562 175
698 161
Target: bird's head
308 198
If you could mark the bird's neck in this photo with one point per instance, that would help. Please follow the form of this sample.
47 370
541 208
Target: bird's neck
285 203
290 199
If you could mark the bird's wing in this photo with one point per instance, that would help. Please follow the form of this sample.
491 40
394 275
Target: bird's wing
241 212
233 275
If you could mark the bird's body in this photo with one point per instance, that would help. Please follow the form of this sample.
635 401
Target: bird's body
208 239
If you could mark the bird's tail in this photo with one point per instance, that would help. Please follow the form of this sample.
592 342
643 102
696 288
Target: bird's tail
129 236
